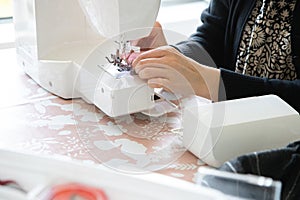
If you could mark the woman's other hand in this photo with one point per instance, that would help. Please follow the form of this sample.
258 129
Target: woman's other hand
154 40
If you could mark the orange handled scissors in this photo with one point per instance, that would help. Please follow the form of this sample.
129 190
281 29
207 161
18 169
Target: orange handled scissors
74 191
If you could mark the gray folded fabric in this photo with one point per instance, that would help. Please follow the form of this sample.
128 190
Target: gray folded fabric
279 164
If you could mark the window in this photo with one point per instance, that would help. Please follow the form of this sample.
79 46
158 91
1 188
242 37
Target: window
5 9
6 26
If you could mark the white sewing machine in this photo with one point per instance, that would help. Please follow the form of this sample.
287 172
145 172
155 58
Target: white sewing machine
63 46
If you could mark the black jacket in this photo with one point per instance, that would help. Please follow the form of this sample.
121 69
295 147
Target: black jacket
220 34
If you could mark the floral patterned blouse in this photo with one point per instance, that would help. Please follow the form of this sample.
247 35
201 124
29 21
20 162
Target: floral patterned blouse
265 48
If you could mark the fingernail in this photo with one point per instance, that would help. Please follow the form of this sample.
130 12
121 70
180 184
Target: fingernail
136 69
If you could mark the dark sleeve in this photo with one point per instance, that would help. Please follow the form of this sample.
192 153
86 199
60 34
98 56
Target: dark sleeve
207 43
239 86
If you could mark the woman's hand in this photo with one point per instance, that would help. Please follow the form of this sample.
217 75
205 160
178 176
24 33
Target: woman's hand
154 40
167 68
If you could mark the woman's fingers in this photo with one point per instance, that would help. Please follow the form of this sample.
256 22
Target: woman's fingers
154 53
159 83
150 62
154 72
154 40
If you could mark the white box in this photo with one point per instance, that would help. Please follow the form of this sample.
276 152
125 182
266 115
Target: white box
221 131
